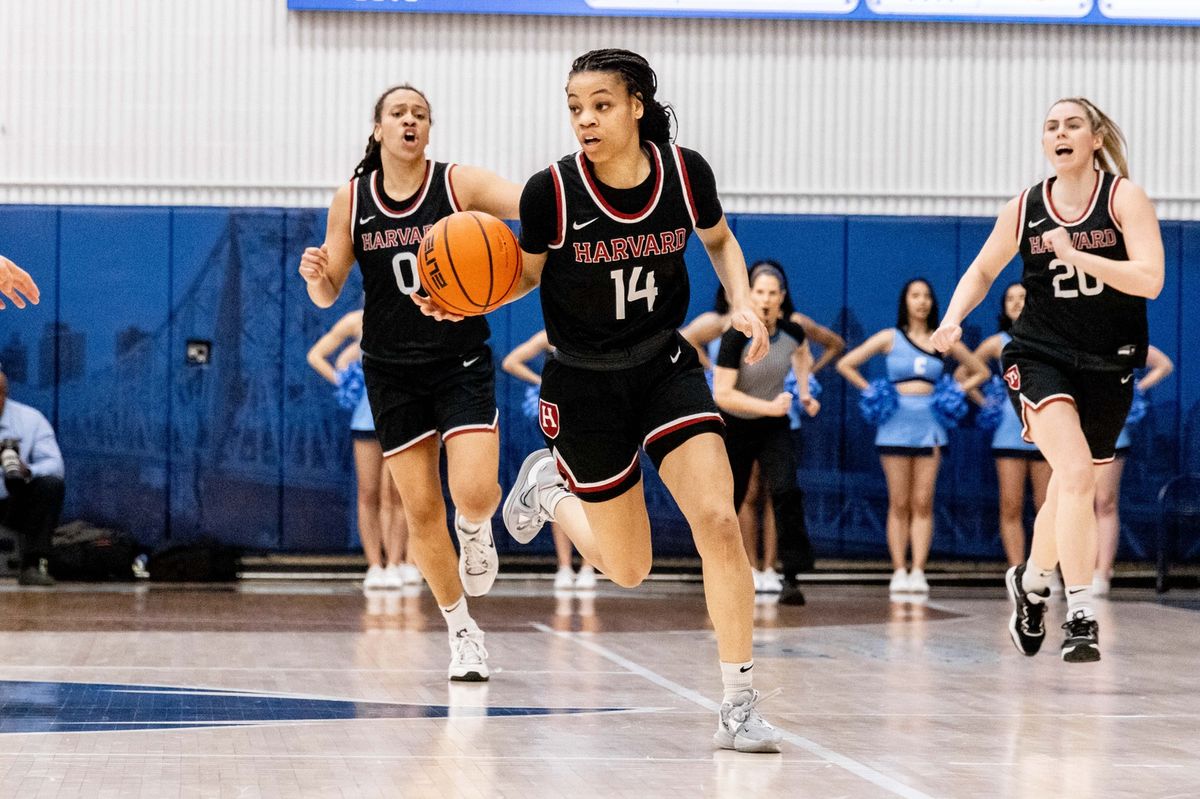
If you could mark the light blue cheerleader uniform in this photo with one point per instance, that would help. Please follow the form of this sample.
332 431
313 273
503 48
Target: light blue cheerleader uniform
912 430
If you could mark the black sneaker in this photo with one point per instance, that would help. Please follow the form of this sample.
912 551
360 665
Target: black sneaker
1025 626
791 594
1082 644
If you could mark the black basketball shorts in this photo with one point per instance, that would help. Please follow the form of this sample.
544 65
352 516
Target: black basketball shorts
1102 398
413 401
595 422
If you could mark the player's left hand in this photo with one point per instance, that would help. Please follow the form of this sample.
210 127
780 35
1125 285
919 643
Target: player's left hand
746 322
811 406
430 308
1058 240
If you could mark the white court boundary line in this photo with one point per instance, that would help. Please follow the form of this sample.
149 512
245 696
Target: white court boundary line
860 770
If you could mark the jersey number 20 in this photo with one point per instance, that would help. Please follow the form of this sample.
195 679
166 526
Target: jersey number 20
632 293
1069 272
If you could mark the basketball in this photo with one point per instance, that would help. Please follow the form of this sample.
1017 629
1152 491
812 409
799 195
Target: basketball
469 263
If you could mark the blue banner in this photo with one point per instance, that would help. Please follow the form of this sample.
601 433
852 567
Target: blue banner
1087 12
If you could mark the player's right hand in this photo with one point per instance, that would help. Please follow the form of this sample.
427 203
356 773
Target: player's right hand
15 281
781 404
314 263
945 337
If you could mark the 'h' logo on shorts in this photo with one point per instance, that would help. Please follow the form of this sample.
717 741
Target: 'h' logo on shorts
1012 376
548 418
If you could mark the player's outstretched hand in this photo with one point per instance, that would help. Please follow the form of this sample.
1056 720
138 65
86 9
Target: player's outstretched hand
746 322
430 308
945 337
15 282
314 263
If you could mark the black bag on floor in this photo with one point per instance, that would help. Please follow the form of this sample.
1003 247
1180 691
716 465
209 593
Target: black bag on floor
81 551
201 562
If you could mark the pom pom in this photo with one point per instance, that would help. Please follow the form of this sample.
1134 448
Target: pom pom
530 405
995 395
350 386
1137 410
949 402
878 402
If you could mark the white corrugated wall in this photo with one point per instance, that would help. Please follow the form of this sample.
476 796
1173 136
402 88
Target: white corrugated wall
241 102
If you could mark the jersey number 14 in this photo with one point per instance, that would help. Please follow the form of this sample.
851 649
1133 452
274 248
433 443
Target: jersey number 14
631 293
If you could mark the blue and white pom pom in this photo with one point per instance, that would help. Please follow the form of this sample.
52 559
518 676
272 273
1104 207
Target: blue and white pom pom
878 402
949 402
995 396
1137 410
530 405
350 386
796 412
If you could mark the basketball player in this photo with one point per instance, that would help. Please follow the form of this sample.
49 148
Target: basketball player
603 231
14 282
1092 254
427 383
1016 459
910 442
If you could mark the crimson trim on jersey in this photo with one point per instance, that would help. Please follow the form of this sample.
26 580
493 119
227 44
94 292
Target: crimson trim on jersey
592 488
473 428
560 207
1021 216
410 443
679 424
613 213
1112 210
688 200
1046 195
454 203
1027 403
353 205
396 213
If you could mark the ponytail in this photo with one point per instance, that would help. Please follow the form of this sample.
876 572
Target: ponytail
640 81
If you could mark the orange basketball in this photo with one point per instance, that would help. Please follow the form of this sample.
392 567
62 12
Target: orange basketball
469 263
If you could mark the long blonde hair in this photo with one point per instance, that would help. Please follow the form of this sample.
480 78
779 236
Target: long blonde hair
1111 155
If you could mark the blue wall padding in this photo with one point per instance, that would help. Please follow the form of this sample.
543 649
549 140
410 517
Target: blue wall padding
253 450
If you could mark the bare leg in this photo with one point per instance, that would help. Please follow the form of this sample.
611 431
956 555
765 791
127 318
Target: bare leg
562 546
1010 472
898 471
472 469
368 459
391 516
1039 478
924 482
749 514
1108 519
415 471
770 537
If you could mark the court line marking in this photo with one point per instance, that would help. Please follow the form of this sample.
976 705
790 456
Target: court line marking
473 758
851 765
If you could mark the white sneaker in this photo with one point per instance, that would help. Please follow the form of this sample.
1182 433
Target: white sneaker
586 579
468 657
758 580
740 727
376 579
392 577
772 583
478 564
524 511
410 574
917 583
564 579
899 583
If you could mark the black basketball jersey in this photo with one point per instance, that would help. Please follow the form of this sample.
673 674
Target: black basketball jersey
1068 314
386 235
615 280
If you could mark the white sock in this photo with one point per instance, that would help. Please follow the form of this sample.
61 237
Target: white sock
468 527
458 618
1036 579
737 678
1079 599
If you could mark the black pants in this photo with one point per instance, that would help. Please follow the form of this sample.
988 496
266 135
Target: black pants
32 511
768 440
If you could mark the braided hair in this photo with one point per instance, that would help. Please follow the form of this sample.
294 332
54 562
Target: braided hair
640 81
372 160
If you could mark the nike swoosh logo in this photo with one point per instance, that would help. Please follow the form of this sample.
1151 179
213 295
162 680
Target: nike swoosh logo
1126 378
745 669
468 363
582 225
365 220
675 357
1035 224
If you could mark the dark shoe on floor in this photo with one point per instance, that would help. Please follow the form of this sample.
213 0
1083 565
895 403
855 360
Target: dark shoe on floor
36 575
791 594
1082 644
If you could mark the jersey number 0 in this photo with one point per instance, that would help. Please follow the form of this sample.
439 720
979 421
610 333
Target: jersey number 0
404 265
